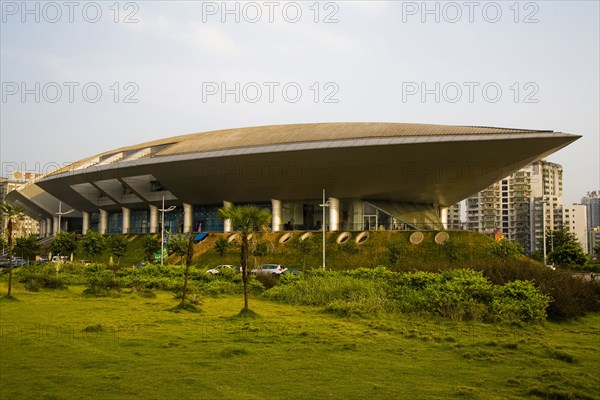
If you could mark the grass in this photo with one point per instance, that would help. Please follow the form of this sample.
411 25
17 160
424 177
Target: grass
62 345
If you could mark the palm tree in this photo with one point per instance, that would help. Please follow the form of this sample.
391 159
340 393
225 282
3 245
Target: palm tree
12 215
245 219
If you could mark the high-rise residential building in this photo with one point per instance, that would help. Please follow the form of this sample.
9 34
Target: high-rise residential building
522 206
574 220
594 239
454 217
27 226
546 179
592 202
503 206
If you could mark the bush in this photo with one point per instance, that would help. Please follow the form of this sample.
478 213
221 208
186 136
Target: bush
268 280
570 295
520 300
456 294
37 277
220 286
100 281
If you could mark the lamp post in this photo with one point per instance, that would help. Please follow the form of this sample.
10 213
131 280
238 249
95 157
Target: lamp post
60 213
544 202
163 210
544 230
324 205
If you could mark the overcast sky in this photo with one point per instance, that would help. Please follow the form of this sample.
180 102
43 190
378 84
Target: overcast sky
80 78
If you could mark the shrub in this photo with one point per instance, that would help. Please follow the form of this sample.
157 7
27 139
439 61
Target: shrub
36 277
520 300
268 280
220 286
100 281
569 295
455 294
505 249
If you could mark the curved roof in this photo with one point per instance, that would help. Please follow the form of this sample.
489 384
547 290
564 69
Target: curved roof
298 133
392 162
302 133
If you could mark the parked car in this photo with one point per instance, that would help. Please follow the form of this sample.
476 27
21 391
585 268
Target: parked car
217 270
4 261
274 269
19 262
292 272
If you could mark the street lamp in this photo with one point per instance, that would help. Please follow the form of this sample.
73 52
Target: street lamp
544 202
60 214
324 205
163 210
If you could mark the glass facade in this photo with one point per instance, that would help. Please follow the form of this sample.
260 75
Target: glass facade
140 221
173 220
206 219
115 223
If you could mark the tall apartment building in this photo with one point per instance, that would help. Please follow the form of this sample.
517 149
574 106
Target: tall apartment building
574 220
594 239
454 218
504 206
27 226
592 203
521 206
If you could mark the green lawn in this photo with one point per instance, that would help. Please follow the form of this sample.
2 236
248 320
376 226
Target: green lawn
62 345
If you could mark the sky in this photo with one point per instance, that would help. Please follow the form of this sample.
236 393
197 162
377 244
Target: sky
81 78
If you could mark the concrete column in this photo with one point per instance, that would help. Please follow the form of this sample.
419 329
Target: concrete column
153 219
55 225
188 217
444 216
227 223
334 214
276 219
42 223
85 226
357 215
103 228
48 227
126 220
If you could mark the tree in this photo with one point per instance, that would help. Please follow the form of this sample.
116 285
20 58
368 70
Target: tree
563 248
557 238
245 219
183 245
221 246
12 215
93 243
568 255
64 243
27 247
151 245
305 247
117 246
178 244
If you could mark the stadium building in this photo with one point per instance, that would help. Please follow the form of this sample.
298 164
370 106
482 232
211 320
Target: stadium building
375 175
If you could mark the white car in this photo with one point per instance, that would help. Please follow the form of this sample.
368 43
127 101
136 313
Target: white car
217 270
274 269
